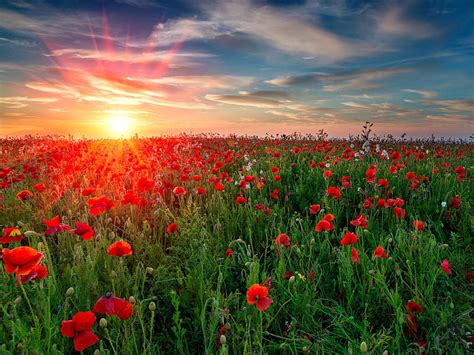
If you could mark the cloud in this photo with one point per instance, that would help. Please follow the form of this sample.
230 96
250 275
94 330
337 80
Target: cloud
178 58
140 3
356 105
260 99
23 101
245 100
272 94
18 42
206 81
358 79
452 106
274 27
395 22
425 94
48 23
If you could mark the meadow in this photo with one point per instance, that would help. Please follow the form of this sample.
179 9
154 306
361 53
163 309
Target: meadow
239 245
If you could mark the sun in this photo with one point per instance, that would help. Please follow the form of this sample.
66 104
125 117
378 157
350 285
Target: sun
120 125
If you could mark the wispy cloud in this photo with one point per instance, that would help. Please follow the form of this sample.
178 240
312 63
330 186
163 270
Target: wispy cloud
395 22
426 94
22 101
280 30
245 100
338 81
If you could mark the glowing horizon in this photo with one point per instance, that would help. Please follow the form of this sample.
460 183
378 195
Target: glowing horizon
234 67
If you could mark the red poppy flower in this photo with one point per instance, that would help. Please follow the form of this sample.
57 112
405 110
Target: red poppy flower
455 202
382 183
314 209
380 253
257 295
349 238
39 187
79 328
240 200
145 185
83 230
113 306
39 272
229 252
355 255
24 195
360 221
327 174
446 266
120 248
11 235
98 205
54 225
172 227
418 225
368 202
282 239
410 175
201 191
370 174
88 191
325 224
334 192
179 190
21 260
399 212
413 307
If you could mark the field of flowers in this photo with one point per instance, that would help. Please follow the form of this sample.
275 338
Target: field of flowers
238 245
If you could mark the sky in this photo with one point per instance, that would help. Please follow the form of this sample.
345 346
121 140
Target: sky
115 68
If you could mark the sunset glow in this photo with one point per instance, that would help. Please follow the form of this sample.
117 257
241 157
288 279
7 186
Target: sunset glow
240 67
120 125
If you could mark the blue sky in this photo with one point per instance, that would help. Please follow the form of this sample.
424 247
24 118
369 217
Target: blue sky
247 67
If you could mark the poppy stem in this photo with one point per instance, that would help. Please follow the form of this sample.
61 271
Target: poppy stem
110 340
33 314
152 321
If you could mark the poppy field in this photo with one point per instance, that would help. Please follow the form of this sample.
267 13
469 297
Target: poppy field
240 245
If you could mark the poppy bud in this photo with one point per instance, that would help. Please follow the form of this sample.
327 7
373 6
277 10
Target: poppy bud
113 274
30 233
103 323
69 291
363 347
149 270
152 306
108 220
112 235
97 352
390 240
146 226
291 279
132 300
223 339
17 300
305 349
451 305
385 352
